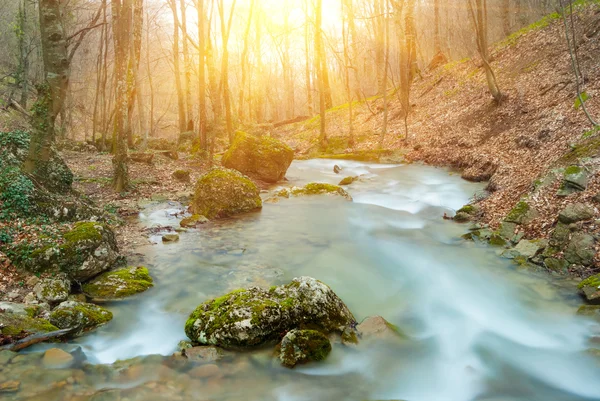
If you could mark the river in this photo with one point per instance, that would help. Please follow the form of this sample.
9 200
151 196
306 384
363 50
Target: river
479 327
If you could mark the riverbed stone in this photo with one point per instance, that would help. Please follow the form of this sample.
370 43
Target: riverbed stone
556 265
255 316
303 346
264 158
81 315
204 354
466 213
193 221
170 238
348 180
89 249
223 193
56 358
576 212
590 289
53 290
377 328
530 248
118 284
580 250
592 311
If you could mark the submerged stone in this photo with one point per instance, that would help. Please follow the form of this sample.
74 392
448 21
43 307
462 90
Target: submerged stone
193 221
264 158
56 358
318 188
170 238
224 192
348 180
84 316
592 311
118 284
303 346
377 328
255 316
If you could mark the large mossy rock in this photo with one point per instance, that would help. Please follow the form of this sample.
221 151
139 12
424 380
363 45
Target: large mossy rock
263 158
80 315
303 346
118 284
255 316
576 212
590 289
224 192
89 249
53 290
581 249
315 188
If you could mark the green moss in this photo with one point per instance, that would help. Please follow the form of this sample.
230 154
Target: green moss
348 180
588 148
593 281
82 315
468 209
514 38
119 283
302 346
497 240
12 324
181 175
318 188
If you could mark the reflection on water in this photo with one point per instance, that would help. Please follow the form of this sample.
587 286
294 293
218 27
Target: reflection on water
479 328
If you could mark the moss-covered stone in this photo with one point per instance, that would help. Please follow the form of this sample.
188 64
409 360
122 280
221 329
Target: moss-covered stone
118 284
53 290
592 311
522 213
497 240
264 158
319 188
590 289
12 324
193 221
581 249
83 316
466 213
224 192
255 316
87 250
302 346
576 212
575 179
556 265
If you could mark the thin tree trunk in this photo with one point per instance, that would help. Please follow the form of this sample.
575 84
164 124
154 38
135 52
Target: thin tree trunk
225 31
187 69
176 66
320 67
244 63
202 76
309 97
346 15
386 42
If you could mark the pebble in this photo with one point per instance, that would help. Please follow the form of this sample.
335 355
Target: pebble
57 359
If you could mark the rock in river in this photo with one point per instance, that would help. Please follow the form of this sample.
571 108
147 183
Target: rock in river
82 315
263 158
255 316
224 192
302 346
590 289
118 284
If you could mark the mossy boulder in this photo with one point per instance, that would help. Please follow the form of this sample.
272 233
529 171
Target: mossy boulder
576 212
575 179
87 250
255 316
466 213
590 289
592 311
118 284
80 315
263 158
224 192
53 290
581 249
302 346
315 188
13 324
522 213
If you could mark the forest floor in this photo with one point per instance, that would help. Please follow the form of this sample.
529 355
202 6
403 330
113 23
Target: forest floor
454 121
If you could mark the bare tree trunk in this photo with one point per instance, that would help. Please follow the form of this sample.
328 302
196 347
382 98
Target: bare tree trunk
347 14
320 67
479 19
225 31
309 97
187 68
244 63
506 17
176 66
202 75
437 43
53 91
150 80
386 42
21 30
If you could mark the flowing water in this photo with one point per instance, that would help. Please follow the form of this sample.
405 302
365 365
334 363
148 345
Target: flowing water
479 328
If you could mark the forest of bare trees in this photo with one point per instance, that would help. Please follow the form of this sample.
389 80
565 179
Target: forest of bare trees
138 69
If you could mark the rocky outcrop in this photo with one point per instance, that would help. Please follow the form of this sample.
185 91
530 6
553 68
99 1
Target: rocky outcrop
224 192
89 249
302 346
263 158
255 316
118 284
79 315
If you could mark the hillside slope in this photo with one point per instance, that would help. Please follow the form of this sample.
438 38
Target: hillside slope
515 145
